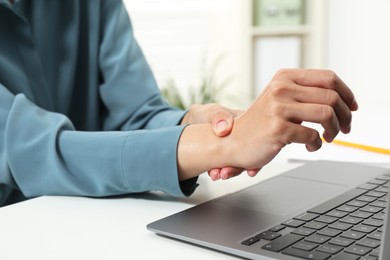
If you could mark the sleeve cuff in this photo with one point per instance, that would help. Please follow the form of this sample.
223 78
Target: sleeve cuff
188 186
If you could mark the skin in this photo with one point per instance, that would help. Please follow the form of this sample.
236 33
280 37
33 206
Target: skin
273 121
222 120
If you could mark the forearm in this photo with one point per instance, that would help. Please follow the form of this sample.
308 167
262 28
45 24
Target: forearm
43 154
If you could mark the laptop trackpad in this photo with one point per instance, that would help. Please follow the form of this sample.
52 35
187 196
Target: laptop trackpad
283 195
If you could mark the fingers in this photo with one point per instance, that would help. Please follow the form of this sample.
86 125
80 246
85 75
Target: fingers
214 174
296 133
221 118
230 172
330 98
224 173
222 122
318 96
321 114
253 172
323 79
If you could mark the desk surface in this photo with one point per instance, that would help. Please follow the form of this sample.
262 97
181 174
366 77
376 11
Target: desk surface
86 228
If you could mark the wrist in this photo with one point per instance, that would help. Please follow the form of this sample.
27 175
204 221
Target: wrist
199 150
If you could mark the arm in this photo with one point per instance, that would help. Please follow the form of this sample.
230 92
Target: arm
273 121
41 152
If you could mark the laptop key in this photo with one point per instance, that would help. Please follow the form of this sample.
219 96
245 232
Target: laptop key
315 225
368 186
379 203
365 198
330 249
345 256
281 243
306 216
277 228
306 255
353 234
371 209
337 214
375 235
382 189
337 201
340 226
293 223
303 231
305 245
341 241
347 208
326 219
268 235
330 232
358 250
375 252
375 194
364 228
351 220
372 243
368 258
319 239
250 241
373 222
357 203
378 182
361 214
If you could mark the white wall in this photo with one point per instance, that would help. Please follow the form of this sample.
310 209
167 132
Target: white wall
181 38
176 35
358 49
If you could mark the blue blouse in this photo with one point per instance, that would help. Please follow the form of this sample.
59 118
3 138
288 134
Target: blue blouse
74 87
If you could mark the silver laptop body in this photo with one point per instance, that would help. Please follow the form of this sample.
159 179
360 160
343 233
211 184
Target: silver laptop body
240 223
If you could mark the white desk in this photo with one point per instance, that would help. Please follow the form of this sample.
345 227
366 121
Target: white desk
74 228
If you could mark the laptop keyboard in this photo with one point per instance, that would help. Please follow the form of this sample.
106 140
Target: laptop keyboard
349 226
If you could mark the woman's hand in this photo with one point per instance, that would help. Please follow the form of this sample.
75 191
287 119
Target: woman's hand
222 120
275 119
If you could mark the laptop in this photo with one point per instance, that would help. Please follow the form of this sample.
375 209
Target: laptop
321 210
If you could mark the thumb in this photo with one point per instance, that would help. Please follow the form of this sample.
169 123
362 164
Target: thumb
222 122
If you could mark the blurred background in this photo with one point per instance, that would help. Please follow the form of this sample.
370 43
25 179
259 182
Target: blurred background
228 50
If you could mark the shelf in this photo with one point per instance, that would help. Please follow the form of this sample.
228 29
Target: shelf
280 30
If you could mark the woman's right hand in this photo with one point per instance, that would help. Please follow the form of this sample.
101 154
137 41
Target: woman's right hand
275 118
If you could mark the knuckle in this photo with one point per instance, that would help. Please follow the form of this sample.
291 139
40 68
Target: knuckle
279 89
332 78
282 73
327 113
277 128
313 136
332 98
278 110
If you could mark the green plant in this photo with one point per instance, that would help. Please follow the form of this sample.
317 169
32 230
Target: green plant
208 91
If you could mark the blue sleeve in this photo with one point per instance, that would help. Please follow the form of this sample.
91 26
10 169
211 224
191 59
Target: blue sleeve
129 90
42 154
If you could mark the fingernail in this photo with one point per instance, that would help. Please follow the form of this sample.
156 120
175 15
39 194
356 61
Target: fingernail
221 125
327 137
214 176
355 104
319 142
